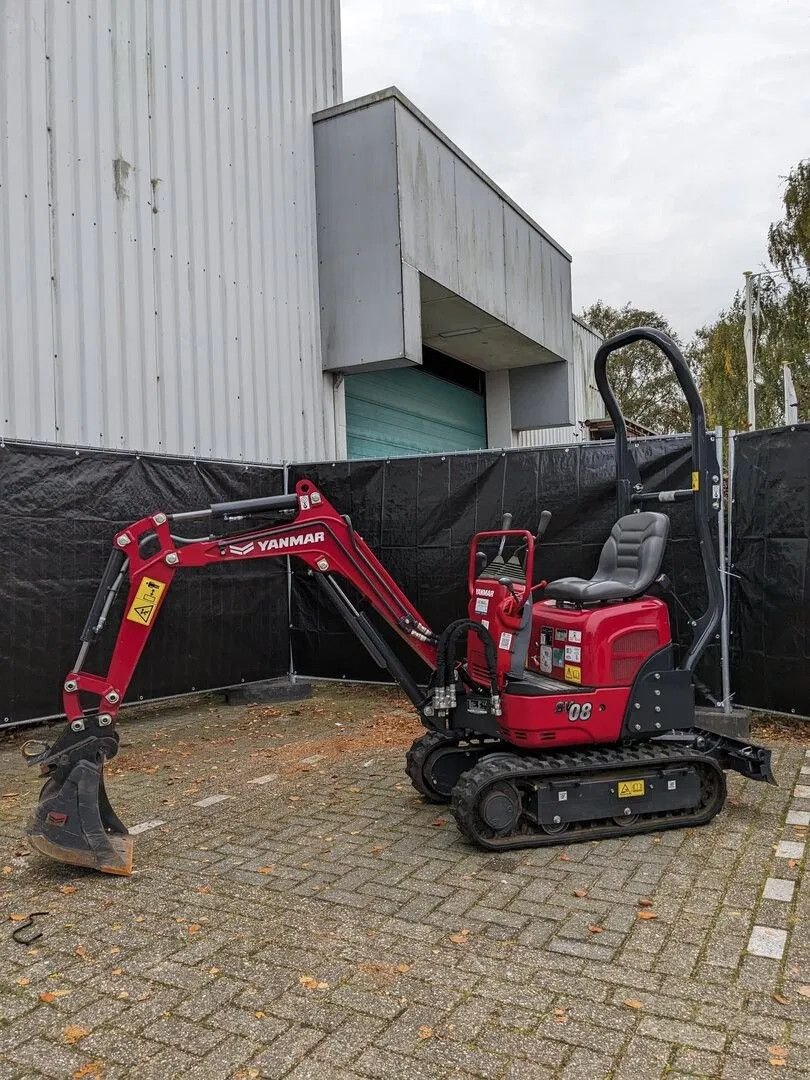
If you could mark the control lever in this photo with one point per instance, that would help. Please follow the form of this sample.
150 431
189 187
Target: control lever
505 525
545 518
480 563
507 584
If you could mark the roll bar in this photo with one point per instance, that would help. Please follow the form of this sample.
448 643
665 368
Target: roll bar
706 483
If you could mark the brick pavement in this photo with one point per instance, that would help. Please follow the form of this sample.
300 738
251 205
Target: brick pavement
328 924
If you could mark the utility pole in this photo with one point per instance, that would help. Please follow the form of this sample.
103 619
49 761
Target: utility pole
748 336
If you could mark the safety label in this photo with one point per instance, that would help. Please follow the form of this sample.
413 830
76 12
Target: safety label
545 658
557 657
575 636
481 605
146 600
505 641
629 788
573 652
560 635
573 674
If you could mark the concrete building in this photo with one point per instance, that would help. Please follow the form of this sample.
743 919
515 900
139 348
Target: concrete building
204 251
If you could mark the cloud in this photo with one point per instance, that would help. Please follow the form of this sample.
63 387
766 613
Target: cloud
648 138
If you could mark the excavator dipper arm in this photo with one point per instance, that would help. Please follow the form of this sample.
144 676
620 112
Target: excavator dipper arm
74 821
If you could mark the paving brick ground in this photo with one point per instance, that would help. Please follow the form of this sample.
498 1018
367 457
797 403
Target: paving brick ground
328 924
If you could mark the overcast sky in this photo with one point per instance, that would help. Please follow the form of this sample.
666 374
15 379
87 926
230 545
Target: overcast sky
647 136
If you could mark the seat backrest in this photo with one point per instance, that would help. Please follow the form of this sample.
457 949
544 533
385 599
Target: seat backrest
634 551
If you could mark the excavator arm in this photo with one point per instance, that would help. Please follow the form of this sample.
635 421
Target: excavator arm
74 821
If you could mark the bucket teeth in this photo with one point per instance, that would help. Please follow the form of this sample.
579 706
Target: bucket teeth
74 823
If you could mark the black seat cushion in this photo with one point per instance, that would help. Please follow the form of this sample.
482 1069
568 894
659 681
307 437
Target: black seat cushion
629 564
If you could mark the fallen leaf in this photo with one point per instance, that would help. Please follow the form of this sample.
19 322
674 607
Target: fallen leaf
92 1068
402 968
804 991
559 1016
632 1003
778 1051
259 1014
376 850
123 996
194 928
67 889
7 870
214 971
22 981
266 869
311 983
117 971
9 795
781 999
204 889
140 918
580 893
439 822
74 1034
51 995
18 918
461 938
793 863
425 1032
776 1062
565 858
82 953
647 915
594 929
644 901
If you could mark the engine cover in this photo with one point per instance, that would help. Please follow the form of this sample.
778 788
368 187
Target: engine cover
600 646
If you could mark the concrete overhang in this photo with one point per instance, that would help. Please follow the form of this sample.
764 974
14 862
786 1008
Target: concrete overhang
416 245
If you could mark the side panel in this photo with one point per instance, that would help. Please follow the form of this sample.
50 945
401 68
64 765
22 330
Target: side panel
158 258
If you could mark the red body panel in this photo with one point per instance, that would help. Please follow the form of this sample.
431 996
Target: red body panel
550 720
597 646
493 607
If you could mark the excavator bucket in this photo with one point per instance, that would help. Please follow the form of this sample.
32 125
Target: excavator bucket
73 822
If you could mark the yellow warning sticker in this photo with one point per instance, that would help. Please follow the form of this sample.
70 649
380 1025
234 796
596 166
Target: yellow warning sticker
695 481
146 600
629 788
572 673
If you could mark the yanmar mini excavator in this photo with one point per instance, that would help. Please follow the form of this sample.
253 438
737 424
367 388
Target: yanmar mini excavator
571 716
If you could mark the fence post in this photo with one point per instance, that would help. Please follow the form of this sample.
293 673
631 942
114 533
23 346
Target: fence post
725 666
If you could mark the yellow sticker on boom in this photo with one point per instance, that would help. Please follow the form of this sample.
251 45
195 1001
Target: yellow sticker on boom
629 788
572 673
146 601
695 481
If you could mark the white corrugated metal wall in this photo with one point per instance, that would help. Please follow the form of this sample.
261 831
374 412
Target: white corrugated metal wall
587 402
158 261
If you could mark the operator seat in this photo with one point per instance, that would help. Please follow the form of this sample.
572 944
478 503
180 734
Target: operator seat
630 562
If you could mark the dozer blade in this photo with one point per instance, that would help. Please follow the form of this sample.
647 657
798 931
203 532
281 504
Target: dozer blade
74 823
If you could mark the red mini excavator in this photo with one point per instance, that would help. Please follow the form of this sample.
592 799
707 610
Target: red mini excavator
571 715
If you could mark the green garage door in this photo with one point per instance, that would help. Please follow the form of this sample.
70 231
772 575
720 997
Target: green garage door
408 411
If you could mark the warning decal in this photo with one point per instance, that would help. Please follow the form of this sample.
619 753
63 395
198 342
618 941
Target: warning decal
146 600
629 788
572 674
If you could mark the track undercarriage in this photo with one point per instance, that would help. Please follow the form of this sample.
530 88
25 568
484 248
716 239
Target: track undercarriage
503 798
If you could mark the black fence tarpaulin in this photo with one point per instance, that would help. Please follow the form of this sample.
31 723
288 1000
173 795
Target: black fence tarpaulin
419 516
59 510
770 564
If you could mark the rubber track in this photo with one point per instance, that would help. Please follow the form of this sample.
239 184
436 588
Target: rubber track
573 763
435 744
416 759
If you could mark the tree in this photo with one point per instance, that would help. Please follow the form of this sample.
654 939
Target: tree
640 375
781 325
